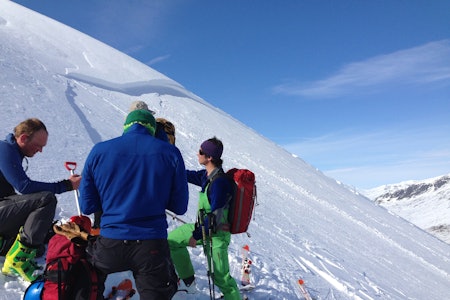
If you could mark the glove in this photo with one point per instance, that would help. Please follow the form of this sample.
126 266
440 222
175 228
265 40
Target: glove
71 231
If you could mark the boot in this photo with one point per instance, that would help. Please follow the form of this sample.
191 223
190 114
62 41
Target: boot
20 261
188 285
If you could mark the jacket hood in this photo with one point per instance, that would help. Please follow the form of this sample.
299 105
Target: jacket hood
10 139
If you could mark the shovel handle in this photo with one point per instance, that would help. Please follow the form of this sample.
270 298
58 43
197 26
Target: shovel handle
70 165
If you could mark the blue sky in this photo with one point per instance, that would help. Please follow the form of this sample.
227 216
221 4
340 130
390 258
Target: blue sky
358 89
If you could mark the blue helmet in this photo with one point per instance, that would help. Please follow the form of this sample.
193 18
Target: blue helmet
34 290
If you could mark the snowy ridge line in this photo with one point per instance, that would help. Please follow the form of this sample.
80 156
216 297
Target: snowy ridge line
124 113
138 88
421 202
158 86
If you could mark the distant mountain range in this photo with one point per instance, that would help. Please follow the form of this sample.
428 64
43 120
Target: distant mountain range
425 203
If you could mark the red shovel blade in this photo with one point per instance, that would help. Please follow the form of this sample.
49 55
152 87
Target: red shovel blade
70 165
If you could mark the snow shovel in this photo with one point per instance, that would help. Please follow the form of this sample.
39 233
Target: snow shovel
71 166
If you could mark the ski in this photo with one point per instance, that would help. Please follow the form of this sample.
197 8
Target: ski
301 285
246 284
123 291
245 266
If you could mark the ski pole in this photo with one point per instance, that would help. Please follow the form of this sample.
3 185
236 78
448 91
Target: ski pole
201 217
71 166
212 225
175 217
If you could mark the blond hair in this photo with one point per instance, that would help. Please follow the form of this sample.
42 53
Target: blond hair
29 127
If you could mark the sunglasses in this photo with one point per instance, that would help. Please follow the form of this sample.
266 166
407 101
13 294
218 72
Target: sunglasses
201 152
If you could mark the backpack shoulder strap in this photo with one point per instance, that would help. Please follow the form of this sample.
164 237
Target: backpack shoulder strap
220 211
220 173
92 273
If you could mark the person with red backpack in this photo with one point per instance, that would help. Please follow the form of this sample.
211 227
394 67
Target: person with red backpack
211 228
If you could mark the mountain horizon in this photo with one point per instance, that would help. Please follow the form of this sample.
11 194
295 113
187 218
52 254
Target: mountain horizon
421 202
306 225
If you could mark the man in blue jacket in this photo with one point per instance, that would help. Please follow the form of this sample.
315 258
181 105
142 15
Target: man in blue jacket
160 133
133 179
33 209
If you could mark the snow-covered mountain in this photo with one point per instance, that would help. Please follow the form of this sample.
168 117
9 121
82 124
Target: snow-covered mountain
306 226
426 203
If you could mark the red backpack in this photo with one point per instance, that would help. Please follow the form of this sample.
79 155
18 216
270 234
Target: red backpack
68 275
244 200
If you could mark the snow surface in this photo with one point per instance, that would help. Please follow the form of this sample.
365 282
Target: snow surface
306 226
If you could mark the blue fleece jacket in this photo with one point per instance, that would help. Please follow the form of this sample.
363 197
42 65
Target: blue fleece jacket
13 177
133 179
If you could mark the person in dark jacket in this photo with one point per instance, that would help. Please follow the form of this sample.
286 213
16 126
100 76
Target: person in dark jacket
133 179
216 192
32 210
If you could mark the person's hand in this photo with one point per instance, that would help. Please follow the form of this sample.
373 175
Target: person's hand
192 242
75 179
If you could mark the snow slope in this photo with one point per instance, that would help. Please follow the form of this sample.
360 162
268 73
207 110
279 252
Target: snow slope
425 203
307 225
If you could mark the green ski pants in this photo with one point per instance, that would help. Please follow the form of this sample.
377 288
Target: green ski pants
178 243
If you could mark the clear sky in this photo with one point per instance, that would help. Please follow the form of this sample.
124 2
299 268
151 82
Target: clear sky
358 89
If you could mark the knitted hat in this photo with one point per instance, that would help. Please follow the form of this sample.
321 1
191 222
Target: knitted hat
211 149
135 105
142 117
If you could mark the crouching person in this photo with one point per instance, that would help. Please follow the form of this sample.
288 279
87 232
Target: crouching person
26 218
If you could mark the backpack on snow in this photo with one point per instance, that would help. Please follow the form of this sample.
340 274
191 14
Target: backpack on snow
243 201
67 275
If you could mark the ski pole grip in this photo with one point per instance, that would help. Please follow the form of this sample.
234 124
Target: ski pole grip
70 165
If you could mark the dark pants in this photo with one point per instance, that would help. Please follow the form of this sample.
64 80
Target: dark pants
35 212
149 260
